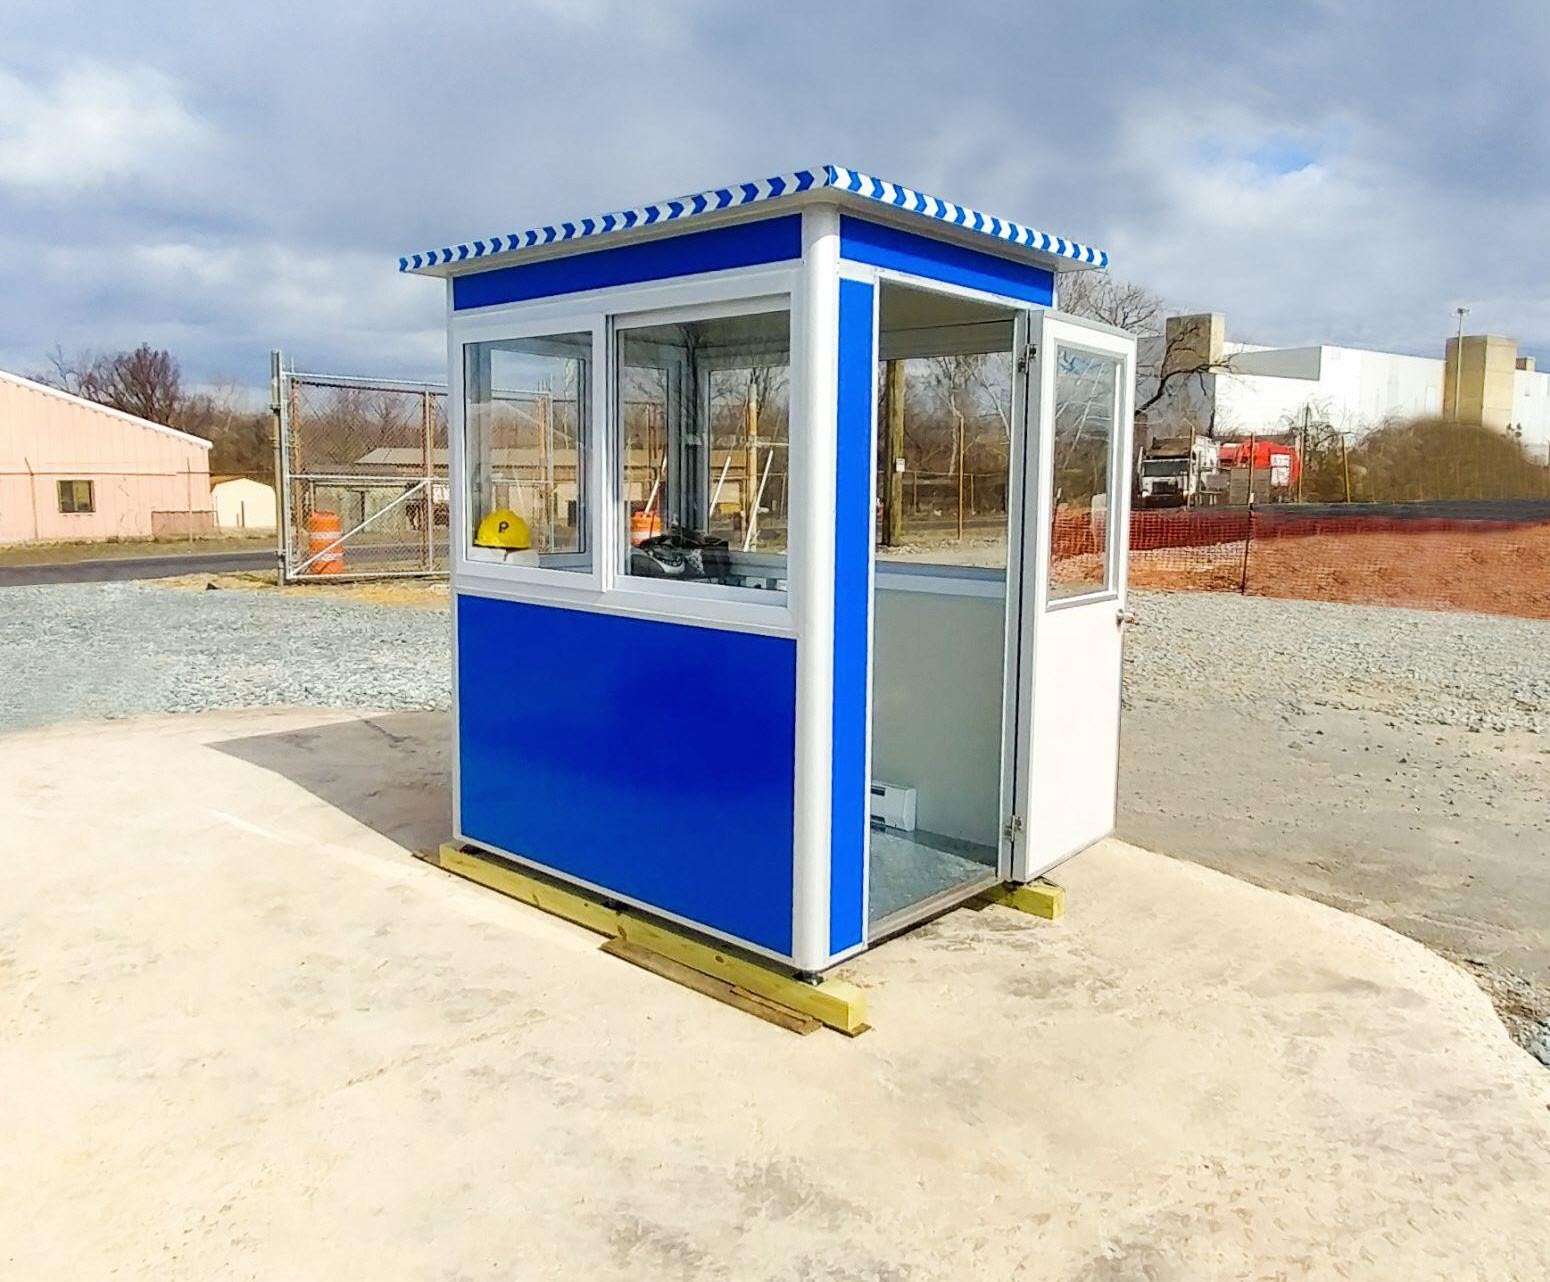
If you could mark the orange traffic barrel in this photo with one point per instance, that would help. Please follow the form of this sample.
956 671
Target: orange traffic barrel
643 526
323 530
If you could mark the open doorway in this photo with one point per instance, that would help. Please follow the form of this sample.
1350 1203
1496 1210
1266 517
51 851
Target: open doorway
945 553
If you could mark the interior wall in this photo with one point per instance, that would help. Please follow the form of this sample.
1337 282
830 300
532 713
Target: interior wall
936 707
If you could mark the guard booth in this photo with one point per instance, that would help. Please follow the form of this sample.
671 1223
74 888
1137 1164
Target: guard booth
788 556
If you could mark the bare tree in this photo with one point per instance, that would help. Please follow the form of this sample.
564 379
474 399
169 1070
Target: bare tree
80 375
1177 367
145 382
1120 303
1165 366
242 444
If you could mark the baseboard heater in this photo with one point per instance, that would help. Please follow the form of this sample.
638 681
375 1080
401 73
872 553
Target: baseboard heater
893 805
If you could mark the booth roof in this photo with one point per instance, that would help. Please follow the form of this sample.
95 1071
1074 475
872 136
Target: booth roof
847 186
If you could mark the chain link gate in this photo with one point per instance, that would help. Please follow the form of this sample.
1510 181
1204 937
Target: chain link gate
363 469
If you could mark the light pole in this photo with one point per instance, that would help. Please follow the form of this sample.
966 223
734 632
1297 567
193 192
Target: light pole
1458 361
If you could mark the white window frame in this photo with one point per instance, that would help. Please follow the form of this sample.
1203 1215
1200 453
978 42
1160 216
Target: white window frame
674 589
604 588
1113 533
514 330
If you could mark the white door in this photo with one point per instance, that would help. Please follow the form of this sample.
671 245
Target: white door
1078 403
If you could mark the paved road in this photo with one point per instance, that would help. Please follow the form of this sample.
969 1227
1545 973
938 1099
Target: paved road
138 567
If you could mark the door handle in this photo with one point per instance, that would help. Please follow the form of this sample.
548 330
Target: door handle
1125 618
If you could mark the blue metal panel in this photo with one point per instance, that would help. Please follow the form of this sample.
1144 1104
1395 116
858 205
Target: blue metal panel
877 245
652 759
768 240
849 806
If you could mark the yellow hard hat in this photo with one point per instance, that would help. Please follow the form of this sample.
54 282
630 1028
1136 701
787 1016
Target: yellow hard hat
503 528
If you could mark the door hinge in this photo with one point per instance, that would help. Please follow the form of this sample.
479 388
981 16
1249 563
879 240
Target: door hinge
1027 358
1012 826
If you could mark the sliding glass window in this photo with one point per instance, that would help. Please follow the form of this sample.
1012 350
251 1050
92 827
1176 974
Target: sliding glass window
527 430
704 430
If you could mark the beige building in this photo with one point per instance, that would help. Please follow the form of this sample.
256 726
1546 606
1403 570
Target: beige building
71 469
1481 374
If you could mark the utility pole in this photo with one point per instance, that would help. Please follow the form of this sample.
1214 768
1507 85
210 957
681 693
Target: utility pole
1458 361
1302 449
893 456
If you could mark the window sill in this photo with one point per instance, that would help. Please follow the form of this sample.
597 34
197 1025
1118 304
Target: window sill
732 612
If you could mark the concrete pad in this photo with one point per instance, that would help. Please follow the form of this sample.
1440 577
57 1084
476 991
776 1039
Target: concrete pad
244 1034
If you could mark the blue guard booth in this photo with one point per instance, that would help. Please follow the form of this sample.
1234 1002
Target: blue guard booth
788 556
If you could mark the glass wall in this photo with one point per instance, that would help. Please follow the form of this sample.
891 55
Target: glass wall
527 425
705 428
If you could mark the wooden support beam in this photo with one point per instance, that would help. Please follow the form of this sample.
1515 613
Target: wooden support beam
723 972
781 1016
1037 898
840 1005
531 888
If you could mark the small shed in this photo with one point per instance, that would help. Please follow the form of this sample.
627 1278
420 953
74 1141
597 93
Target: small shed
241 503
788 556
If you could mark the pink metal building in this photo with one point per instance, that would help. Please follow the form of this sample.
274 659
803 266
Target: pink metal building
70 469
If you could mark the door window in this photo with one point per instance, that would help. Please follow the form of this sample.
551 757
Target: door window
1083 511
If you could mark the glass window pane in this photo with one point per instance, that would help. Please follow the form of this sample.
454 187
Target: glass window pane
76 496
526 431
704 416
1086 407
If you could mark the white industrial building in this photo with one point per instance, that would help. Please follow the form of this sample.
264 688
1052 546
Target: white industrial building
1244 389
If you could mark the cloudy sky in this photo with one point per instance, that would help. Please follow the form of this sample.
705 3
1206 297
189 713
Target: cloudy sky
224 178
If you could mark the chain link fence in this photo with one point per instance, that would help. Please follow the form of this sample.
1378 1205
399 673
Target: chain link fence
363 472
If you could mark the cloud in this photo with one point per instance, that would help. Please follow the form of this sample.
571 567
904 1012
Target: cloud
339 309
231 178
91 125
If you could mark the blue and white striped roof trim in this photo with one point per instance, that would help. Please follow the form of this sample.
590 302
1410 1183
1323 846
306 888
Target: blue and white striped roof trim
826 177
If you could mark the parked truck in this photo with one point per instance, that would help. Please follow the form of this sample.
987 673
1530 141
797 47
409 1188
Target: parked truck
1270 475
1179 471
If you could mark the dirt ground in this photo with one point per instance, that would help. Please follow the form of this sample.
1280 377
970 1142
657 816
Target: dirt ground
104 550
247 1035
406 591
1491 572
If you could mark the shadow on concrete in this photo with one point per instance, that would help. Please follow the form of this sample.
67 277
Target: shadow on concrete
391 772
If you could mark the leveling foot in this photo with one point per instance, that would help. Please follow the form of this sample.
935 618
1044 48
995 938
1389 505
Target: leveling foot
713 969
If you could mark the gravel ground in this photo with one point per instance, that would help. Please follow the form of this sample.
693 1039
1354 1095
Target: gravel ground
1472 671
243 649
121 649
